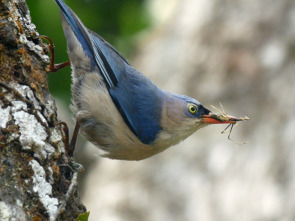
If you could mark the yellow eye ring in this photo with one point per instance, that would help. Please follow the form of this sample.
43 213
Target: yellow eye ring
192 108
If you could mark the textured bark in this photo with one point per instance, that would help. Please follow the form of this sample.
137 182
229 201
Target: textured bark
37 177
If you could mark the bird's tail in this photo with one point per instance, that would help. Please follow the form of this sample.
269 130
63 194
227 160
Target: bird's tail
100 52
76 25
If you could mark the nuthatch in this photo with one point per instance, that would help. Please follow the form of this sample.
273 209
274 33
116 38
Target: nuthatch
119 109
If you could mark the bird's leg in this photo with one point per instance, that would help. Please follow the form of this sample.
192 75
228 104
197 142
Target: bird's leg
52 66
74 137
65 135
70 147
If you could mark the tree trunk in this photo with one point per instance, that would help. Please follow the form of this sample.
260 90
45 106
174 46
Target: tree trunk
37 177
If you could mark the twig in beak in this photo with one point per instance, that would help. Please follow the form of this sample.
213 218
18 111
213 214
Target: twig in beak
223 117
222 112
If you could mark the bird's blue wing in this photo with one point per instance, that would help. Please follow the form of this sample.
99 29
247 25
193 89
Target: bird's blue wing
141 102
137 99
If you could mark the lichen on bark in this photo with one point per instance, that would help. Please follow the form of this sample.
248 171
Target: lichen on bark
38 180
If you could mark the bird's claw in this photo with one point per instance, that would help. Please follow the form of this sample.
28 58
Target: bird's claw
52 66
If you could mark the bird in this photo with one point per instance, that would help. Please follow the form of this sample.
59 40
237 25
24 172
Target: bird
119 109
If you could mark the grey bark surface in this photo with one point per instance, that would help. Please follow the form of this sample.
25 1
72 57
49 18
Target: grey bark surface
38 180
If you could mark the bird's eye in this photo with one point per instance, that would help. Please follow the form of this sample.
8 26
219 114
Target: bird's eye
192 108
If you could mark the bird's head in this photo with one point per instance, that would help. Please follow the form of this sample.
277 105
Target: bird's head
182 116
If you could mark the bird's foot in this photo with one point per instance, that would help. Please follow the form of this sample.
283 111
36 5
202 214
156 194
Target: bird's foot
70 146
65 136
52 66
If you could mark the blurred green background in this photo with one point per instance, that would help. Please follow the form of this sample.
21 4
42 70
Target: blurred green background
117 21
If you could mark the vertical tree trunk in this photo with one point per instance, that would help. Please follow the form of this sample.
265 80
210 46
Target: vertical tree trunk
37 177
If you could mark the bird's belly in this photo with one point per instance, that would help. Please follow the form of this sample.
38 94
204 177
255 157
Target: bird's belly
117 141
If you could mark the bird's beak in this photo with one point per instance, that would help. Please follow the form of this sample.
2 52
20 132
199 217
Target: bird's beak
213 118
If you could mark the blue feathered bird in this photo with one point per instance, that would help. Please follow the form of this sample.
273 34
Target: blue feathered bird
119 109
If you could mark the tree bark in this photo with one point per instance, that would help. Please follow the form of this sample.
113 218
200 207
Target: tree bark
38 180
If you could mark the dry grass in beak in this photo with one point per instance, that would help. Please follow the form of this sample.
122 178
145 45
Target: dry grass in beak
224 117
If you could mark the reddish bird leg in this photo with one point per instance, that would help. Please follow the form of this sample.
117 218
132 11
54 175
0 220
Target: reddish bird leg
52 66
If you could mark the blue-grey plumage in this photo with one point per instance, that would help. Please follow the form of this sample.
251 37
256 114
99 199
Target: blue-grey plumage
121 110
